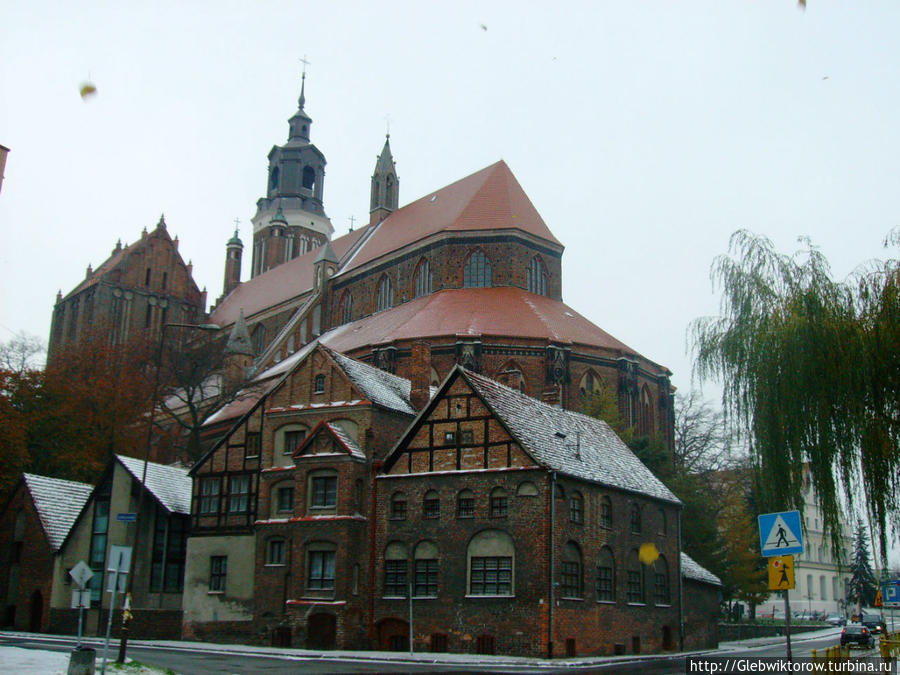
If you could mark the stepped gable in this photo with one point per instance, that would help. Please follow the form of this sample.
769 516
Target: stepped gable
498 311
600 456
690 569
278 285
490 199
170 485
58 503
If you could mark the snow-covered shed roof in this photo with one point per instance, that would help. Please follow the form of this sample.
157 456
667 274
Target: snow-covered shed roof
171 486
380 387
58 503
690 569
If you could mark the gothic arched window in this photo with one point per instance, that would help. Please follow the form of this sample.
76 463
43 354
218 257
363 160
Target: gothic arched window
258 338
385 298
346 307
537 276
309 177
478 271
423 278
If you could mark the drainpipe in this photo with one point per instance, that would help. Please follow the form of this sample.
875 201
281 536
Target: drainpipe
552 561
680 590
376 467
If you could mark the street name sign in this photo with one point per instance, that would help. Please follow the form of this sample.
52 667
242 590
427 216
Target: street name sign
780 533
126 517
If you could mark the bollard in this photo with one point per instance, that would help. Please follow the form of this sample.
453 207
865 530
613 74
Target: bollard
81 661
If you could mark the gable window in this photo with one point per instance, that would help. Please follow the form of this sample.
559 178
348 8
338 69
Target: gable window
275 552
323 491
398 506
606 576
499 503
285 499
218 570
431 506
537 276
396 584
423 279
320 568
252 444
477 271
239 494
450 437
491 563
571 572
210 489
606 512
576 508
385 297
465 504
319 385
635 519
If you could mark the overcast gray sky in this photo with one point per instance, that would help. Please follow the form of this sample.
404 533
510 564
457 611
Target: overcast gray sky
645 133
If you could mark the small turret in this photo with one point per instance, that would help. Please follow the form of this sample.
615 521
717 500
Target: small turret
238 354
234 249
325 265
384 195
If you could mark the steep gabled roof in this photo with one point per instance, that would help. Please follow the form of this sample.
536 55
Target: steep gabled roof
341 436
381 388
490 199
690 569
58 503
568 442
169 485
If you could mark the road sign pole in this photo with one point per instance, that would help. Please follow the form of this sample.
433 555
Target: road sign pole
80 614
112 606
787 624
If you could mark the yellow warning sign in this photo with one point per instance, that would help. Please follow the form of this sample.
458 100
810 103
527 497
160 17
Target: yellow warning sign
781 573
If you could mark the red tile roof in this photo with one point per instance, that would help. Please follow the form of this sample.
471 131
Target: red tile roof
505 311
277 286
490 199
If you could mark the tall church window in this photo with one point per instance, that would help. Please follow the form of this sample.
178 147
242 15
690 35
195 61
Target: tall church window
309 177
661 582
385 298
389 191
258 338
537 276
606 576
423 278
346 307
478 271
645 413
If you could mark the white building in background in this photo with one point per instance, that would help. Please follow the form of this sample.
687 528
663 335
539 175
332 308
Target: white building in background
820 584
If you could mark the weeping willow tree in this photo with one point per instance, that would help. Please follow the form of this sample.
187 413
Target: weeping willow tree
811 374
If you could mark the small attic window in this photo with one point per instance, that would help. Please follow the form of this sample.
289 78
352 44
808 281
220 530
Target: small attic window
319 385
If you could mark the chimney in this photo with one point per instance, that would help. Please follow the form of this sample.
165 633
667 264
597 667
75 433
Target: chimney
420 375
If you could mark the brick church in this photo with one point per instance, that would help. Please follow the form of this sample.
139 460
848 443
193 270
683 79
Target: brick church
408 459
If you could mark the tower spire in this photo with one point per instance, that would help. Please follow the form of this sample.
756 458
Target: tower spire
303 82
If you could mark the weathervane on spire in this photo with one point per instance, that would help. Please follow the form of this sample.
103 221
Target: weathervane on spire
303 81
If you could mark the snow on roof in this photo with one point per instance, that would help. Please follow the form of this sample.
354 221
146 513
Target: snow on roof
345 438
569 442
58 503
692 570
380 387
170 485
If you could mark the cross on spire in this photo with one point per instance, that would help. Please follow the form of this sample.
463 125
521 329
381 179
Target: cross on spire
352 220
387 124
303 81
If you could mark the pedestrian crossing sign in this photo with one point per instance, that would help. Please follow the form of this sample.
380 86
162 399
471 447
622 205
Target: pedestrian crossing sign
780 533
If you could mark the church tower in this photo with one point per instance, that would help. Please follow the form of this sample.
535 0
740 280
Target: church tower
234 249
385 185
290 220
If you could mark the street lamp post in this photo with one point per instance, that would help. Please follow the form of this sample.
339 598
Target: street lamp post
126 615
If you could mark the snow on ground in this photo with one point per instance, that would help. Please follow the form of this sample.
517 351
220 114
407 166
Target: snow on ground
42 662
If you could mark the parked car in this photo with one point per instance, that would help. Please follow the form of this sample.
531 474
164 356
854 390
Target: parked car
836 620
857 634
873 622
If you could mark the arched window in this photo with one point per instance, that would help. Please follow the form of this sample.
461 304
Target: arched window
346 307
576 508
634 589
477 271
431 505
491 563
398 506
273 177
590 384
571 578
309 177
526 489
635 519
385 298
661 594
606 576
537 276
289 437
606 514
395 569
510 374
425 577
645 413
465 504
499 502
423 278
258 339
